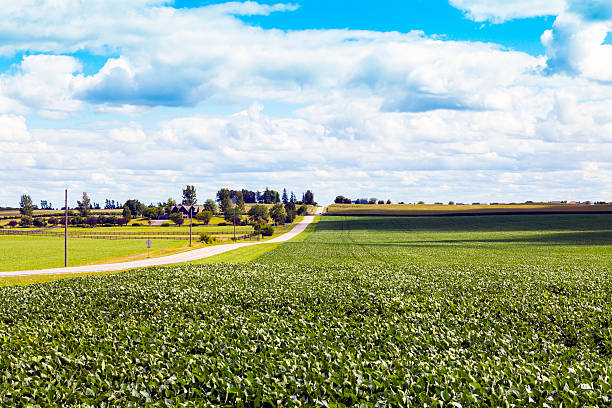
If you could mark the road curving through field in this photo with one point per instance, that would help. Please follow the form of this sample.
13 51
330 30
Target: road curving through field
182 257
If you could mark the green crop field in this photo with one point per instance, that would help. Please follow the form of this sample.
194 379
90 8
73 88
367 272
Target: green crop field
381 311
440 209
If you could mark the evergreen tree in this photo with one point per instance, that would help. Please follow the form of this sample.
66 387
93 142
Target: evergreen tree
285 198
189 196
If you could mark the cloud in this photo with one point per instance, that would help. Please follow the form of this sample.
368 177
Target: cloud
499 11
395 115
46 83
251 8
575 44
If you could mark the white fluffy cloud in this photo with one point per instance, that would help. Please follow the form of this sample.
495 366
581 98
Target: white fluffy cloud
575 45
503 10
396 115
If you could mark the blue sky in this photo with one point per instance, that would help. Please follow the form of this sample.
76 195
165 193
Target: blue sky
438 100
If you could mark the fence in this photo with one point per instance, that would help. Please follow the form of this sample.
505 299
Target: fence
169 235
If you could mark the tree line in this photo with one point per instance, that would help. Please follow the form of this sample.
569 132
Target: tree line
229 203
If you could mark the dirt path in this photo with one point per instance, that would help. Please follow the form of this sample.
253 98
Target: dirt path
166 260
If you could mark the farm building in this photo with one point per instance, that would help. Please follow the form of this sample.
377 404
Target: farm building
185 210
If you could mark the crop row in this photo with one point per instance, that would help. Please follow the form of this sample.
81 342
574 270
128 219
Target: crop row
285 335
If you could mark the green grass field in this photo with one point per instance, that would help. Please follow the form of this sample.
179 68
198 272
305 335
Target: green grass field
380 311
20 253
34 252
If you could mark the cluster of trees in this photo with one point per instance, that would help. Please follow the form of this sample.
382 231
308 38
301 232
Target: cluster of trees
231 203
373 200
280 213
112 205
267 196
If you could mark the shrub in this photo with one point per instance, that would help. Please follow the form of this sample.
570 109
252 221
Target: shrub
13 223
266 230
39 222
204 216
207 238
165 224
92 221
26 221
177 218
303 210
223 224
122 221
136 224
53 221
107 225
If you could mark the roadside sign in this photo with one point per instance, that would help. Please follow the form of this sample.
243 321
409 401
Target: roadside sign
148 243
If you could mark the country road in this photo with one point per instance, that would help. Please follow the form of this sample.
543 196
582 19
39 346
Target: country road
187 256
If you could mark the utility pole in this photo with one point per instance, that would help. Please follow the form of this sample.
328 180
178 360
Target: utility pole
190 222
66 232
234 222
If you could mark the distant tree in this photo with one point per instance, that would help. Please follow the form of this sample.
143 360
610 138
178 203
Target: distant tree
293 199
177 218
339 199
13 223
26 221
347 200
92 221
381 201
26 207
240 201
278 214
39 222
451 203
309 198
53 221
258 214
291 212
150 212
224 198
127 213
85 205
388 201
249 196
421 202
189 195
211 206
267 195
135 207
169 204
285 198
122 221
204 216
233 215
303 210
372 200
266 230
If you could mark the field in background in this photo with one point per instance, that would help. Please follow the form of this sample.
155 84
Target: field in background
437 209
21 253
40 252
15 213
405 311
